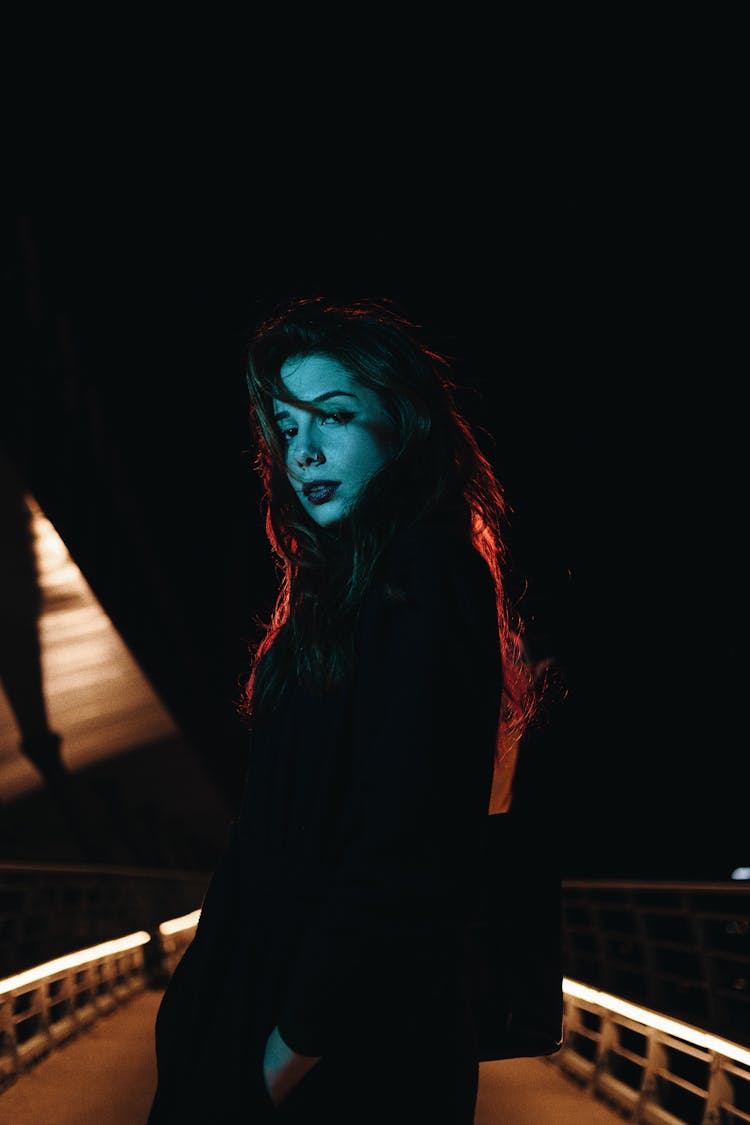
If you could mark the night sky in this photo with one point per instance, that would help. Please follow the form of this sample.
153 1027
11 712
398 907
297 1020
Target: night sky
594 328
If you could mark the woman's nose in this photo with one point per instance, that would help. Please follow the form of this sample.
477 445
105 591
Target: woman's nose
306 455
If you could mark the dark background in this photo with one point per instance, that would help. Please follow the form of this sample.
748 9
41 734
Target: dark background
591 296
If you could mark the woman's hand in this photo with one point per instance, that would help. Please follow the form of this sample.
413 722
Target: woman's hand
283 1068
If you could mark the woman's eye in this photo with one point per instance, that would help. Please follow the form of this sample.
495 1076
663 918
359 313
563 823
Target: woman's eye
339 418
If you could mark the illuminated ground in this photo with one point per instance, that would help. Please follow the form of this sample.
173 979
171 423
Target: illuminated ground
97 697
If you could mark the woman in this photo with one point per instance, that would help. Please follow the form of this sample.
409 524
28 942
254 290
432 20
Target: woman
327 980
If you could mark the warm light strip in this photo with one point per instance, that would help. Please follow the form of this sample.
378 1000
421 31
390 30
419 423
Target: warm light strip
72 960
680 1030
174 925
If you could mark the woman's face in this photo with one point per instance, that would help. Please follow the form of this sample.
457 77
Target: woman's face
335 442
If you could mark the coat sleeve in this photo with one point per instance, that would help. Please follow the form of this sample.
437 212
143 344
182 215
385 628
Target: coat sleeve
427 699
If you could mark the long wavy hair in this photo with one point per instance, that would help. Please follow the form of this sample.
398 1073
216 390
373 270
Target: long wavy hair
438 467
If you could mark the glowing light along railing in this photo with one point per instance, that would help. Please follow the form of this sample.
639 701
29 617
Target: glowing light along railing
73 961
177 925
175 936
661 1023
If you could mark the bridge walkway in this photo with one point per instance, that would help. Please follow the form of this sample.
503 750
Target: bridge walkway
106 1075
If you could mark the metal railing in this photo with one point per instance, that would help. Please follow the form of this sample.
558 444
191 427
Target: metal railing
676 947
641 961
44 1006
651 1068
47 910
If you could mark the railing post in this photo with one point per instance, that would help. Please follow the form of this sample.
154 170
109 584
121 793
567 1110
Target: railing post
8 1042
720 1092
608 1038
156 970
656 1060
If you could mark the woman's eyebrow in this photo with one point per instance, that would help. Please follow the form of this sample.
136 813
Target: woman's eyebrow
318 398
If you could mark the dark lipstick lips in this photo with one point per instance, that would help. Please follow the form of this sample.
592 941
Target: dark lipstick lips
311 484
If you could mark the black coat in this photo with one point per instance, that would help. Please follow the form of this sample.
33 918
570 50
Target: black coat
340 907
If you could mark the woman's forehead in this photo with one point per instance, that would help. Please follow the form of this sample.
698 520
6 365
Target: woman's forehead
308 377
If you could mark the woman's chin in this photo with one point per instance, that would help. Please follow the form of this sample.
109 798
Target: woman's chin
328 515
